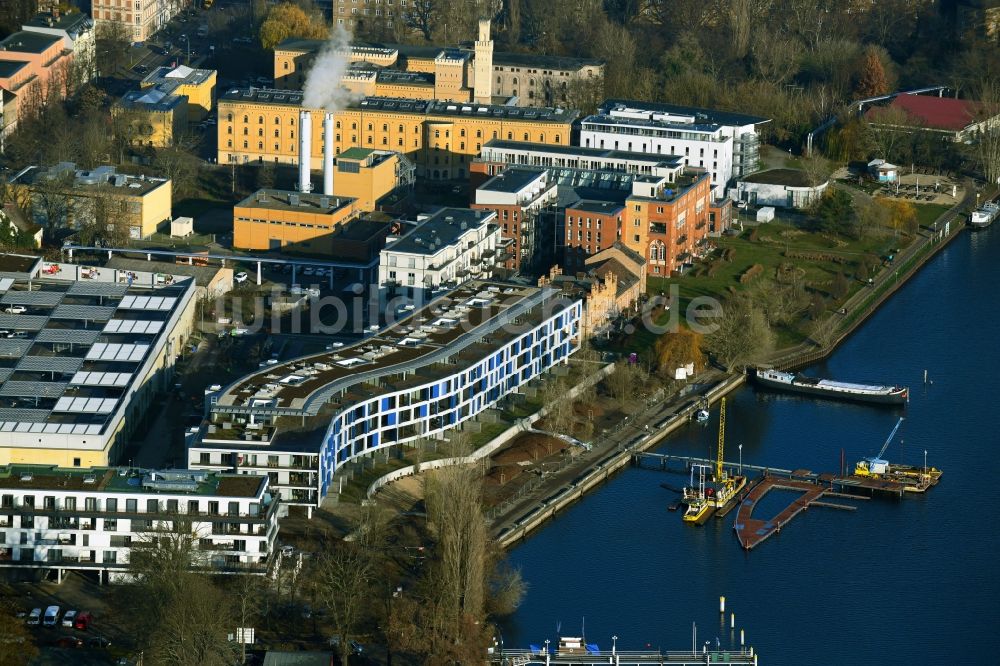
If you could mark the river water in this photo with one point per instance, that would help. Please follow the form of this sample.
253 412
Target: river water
911 581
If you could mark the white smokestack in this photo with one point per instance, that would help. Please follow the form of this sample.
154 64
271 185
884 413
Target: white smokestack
305 151
328 155
323 88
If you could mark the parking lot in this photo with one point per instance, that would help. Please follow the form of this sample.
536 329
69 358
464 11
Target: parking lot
102 642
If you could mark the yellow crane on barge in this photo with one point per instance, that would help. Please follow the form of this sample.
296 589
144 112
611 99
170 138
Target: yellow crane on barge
702 500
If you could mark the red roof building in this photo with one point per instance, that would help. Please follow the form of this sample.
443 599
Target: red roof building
959 117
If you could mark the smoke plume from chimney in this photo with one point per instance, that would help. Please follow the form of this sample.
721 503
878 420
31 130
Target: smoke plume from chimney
323 89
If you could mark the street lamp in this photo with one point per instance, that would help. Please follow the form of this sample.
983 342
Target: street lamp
740 447
614 639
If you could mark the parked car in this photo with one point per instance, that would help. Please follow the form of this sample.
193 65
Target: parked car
241 277
98 642
69 619
35 616
83 621
51 617
15 309
69 642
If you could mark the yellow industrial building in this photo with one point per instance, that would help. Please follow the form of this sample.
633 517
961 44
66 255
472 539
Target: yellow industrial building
144 202
290 221
370 175
157 119
196 85
440 138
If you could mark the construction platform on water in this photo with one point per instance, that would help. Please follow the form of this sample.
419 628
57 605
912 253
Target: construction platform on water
739 657
813 488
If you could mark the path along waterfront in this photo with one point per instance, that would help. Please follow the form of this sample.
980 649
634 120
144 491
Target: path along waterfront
911 578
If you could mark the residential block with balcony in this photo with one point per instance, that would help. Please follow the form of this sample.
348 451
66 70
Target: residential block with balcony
93 519
311 420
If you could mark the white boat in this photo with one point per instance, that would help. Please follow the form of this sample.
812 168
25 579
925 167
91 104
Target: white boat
984 217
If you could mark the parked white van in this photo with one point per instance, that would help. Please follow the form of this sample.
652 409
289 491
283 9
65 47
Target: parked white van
51 616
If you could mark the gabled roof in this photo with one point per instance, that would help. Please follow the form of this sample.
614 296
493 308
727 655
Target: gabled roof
943 113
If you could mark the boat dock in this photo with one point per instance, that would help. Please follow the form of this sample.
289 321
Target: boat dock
813 487
752 531
738 657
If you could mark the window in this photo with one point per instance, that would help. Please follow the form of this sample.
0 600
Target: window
90 504
109 557
111 505
246 145
192 507
276 134
110 524
152 506
260 120
260 132
76 462
69 504
246 132
121 540
49 503
131 505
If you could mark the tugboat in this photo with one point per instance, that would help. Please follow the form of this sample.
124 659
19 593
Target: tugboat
828 388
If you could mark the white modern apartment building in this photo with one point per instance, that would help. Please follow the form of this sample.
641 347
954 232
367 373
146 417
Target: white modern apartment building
141 18
91 519
449 247
499 154
303 421
725 144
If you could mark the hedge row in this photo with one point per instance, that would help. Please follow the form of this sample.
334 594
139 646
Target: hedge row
817 256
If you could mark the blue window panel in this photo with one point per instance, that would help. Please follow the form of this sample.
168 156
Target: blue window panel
386 404
422 410
391 418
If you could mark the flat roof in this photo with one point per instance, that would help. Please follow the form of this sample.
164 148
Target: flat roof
436 107
203 275
358 154
72 351
404 354
20 264
440 230
544 61
263 96
607 119
597 207
152 99
9 68
80 180
361 229
70 22
790 177
129 480
307 202
513 179
713 116
171 78
580 151
27 41
395 76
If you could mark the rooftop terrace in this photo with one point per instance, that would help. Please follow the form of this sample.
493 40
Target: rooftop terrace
123 480
287 200
402 354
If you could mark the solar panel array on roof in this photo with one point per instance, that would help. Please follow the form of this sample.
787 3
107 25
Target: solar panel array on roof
33 389
147 302
14 348
109 289
22 322
133 326
60 364
52 428
85 405
72 336
85 312
31 298
22 416
116 352
114 379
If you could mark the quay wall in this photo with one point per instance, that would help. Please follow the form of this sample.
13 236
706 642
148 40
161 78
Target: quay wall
867 304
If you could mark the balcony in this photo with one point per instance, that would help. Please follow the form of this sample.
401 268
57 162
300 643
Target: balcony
682 239
657 228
